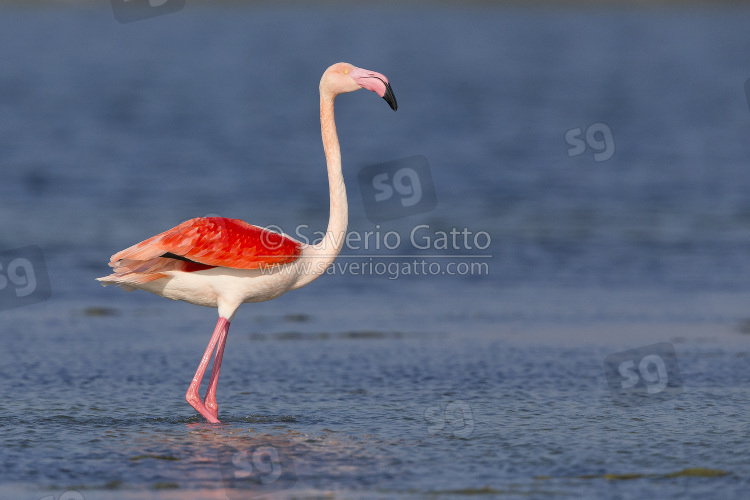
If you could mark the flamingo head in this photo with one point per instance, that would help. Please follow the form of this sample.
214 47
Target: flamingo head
343 77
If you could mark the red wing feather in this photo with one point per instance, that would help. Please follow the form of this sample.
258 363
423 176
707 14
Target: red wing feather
217 241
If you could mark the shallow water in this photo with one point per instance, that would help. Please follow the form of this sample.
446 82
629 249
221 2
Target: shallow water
380 384
361 412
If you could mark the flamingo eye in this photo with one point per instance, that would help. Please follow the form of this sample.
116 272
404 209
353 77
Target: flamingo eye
346 71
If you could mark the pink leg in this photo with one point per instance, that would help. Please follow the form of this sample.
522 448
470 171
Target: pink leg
210 401
192 396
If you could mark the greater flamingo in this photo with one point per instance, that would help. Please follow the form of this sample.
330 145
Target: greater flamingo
220 262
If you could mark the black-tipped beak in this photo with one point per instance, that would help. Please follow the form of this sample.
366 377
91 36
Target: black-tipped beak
389 97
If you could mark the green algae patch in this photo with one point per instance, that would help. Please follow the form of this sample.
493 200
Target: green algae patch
689 472
622 477
698 472
100 311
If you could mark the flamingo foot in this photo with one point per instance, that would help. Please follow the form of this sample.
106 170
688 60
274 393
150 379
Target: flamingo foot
195 401
211 405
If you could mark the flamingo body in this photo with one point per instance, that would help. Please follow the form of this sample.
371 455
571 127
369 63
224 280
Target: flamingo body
208 261
219 262
217 241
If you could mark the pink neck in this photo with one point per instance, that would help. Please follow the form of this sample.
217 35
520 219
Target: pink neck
339 211
324 253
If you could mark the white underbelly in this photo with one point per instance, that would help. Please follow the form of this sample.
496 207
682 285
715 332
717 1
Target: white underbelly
220 284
